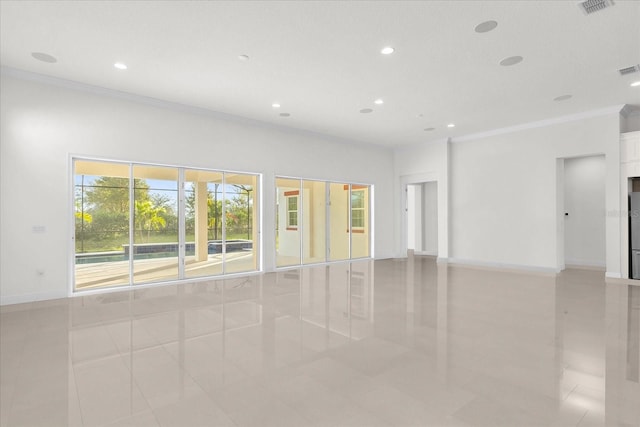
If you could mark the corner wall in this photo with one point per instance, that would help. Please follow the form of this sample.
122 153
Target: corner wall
44 121
501 194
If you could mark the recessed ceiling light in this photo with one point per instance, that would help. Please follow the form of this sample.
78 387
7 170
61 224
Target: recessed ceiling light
366 110
378 101
243 57
44 57
275 105
284 114
485 27
429 129
562 97
635 84
451 125
120 66
512 60
387 50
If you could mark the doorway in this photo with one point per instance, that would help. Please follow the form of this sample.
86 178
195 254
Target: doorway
422 218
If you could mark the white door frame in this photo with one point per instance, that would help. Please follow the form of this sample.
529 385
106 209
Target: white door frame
421 178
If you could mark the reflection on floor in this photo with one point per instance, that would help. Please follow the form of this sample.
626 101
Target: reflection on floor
384 343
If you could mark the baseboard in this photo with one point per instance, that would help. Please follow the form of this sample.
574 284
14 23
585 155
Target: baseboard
40 296
585 267
580 263
621 281
426 253
503 266
610 275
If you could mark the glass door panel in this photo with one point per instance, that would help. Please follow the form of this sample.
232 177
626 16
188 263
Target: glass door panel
241 222
339 221
155 224
101 200
203 223
287 222
360 221
314 222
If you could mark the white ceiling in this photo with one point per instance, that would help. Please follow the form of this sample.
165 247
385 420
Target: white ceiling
321 60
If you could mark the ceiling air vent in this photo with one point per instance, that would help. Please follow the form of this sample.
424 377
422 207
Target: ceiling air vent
591 6
629 70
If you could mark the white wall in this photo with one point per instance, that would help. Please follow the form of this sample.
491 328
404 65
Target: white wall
418 164
584 201
44 121
414 217
430 218
503 191
500 189
422 218
630 123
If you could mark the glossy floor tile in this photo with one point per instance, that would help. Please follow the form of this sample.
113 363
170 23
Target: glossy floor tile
384 343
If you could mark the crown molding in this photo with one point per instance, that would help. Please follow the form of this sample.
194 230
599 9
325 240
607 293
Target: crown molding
178 107
409 147
616 109
629 110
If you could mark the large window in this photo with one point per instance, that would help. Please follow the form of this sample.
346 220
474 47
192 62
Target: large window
319 221
137 223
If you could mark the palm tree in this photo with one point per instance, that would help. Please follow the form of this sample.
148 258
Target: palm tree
148 217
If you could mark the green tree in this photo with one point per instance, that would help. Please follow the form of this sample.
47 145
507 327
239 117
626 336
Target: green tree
214 211
149 217
106 200
239 210
111 194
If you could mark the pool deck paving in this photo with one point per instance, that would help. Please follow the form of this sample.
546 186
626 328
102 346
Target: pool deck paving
97 275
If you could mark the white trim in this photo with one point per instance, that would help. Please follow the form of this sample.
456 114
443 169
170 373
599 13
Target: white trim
578 263
39 296
71 226
413 146
181 238
541 123
426 253
622 280
610 275
175 106
628 110
372 228
502 266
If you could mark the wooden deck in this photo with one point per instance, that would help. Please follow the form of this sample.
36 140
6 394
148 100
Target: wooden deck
103 274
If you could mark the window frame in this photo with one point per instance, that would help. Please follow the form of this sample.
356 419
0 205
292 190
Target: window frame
290 226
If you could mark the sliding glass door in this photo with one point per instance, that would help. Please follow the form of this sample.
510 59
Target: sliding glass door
319 221
288 225
204 213
339 235
241 221
314 222
360 230
101 215
156 245
139 224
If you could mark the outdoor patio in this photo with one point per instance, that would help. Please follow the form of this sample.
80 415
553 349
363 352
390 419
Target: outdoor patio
108 274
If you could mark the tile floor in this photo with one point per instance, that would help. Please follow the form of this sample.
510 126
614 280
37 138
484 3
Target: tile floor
384 343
